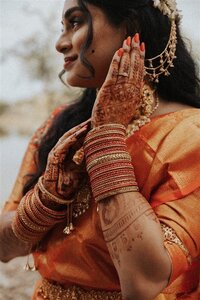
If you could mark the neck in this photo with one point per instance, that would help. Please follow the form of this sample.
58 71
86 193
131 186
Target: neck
167 107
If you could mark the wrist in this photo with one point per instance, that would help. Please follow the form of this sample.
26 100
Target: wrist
51 204
108 162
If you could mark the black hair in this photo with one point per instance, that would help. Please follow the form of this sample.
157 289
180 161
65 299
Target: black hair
139 16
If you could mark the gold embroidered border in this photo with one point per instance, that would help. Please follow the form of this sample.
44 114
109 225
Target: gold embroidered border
171 236
54 291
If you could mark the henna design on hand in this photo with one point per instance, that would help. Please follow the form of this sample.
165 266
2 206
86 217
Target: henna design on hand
121 92
61 176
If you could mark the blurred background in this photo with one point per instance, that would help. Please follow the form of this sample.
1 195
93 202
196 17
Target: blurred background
30 88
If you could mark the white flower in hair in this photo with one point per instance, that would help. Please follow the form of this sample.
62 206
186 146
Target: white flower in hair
167 7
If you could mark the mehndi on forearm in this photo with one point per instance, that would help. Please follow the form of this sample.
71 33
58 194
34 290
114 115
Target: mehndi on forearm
129 225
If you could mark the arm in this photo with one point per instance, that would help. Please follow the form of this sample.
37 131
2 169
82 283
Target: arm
133 235
130 227
145 259
49 202
10 245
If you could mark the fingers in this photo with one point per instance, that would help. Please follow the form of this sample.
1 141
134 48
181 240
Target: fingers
137 59
114 67
69 139
74 130
128 62
124 68
60 150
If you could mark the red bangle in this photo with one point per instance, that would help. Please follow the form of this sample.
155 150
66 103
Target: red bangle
108 162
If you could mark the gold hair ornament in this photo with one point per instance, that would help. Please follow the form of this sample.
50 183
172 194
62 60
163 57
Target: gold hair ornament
160 64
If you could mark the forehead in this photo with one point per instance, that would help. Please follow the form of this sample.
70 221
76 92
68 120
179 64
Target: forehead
69 4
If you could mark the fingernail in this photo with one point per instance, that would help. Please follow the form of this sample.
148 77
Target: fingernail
136 38
142 47
120 52
128 41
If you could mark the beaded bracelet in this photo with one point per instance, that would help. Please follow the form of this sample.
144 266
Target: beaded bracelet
108 162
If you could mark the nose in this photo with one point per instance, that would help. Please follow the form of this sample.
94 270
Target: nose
63 44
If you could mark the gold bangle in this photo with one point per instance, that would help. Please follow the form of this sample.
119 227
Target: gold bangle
92 142
22 233
25 220
110 126
107 158
56 215
114 184
51 196
171 237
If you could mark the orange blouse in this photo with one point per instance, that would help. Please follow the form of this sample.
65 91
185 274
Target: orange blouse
166 157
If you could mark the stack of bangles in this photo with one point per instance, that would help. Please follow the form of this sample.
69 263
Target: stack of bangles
108 162
33 219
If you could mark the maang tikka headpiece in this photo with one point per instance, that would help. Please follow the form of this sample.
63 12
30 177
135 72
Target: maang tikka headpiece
160 64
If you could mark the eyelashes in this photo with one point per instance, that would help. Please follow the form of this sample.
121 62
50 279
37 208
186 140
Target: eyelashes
75 22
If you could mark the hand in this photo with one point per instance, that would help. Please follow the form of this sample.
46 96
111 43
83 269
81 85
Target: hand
121 92
62 176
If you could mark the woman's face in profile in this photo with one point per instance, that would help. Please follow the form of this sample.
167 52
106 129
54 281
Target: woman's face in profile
106 40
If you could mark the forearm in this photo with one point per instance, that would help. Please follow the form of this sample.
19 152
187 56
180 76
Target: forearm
133 235
130 227
10 245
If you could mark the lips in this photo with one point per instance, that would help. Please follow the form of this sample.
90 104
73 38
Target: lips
69 60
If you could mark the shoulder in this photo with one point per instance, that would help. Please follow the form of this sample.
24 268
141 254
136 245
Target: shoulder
179 133
178 153
166 155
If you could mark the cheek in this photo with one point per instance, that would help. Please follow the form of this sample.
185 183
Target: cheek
105 48
101 60
79 38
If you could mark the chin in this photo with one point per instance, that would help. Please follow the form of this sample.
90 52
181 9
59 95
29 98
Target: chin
72 80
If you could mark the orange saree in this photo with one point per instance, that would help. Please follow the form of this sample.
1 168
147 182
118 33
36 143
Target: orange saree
166 157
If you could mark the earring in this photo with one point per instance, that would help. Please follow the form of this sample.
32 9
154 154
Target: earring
147 106
28 267
149 102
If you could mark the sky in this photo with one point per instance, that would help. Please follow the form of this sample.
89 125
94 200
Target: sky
15 26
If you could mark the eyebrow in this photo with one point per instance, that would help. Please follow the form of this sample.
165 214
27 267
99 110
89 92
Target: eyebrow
70 11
